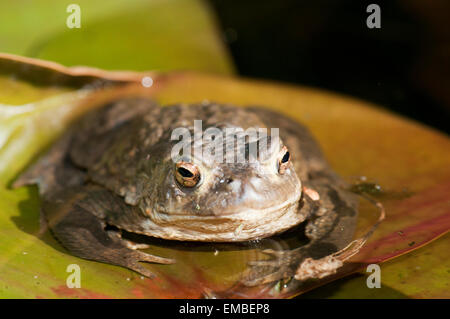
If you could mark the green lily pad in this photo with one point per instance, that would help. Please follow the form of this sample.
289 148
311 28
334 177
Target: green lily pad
359 139
116 34
39 99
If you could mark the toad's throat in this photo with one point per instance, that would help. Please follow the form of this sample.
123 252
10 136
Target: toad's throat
242 226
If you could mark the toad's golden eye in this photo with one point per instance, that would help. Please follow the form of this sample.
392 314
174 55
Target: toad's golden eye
284 160
187 174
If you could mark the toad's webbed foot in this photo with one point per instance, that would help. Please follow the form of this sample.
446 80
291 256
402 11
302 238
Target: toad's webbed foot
281 266
288 264
84 235
328 232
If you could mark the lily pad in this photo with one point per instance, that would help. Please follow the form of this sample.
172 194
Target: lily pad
117 34
408 161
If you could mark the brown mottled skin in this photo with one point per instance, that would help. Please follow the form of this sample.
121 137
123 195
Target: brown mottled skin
114 168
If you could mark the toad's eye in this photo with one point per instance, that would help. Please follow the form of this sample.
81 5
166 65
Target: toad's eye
187 174
284 160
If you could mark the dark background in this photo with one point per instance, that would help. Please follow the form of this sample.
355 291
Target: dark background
404 66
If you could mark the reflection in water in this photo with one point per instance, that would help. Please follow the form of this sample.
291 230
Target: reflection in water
361 185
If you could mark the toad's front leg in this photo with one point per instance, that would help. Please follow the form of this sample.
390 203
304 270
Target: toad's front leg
75 218
330 227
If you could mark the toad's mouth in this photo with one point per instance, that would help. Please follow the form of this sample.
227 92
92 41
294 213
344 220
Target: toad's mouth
248 224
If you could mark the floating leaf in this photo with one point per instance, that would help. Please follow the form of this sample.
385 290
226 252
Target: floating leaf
39 99
119 34
408 161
